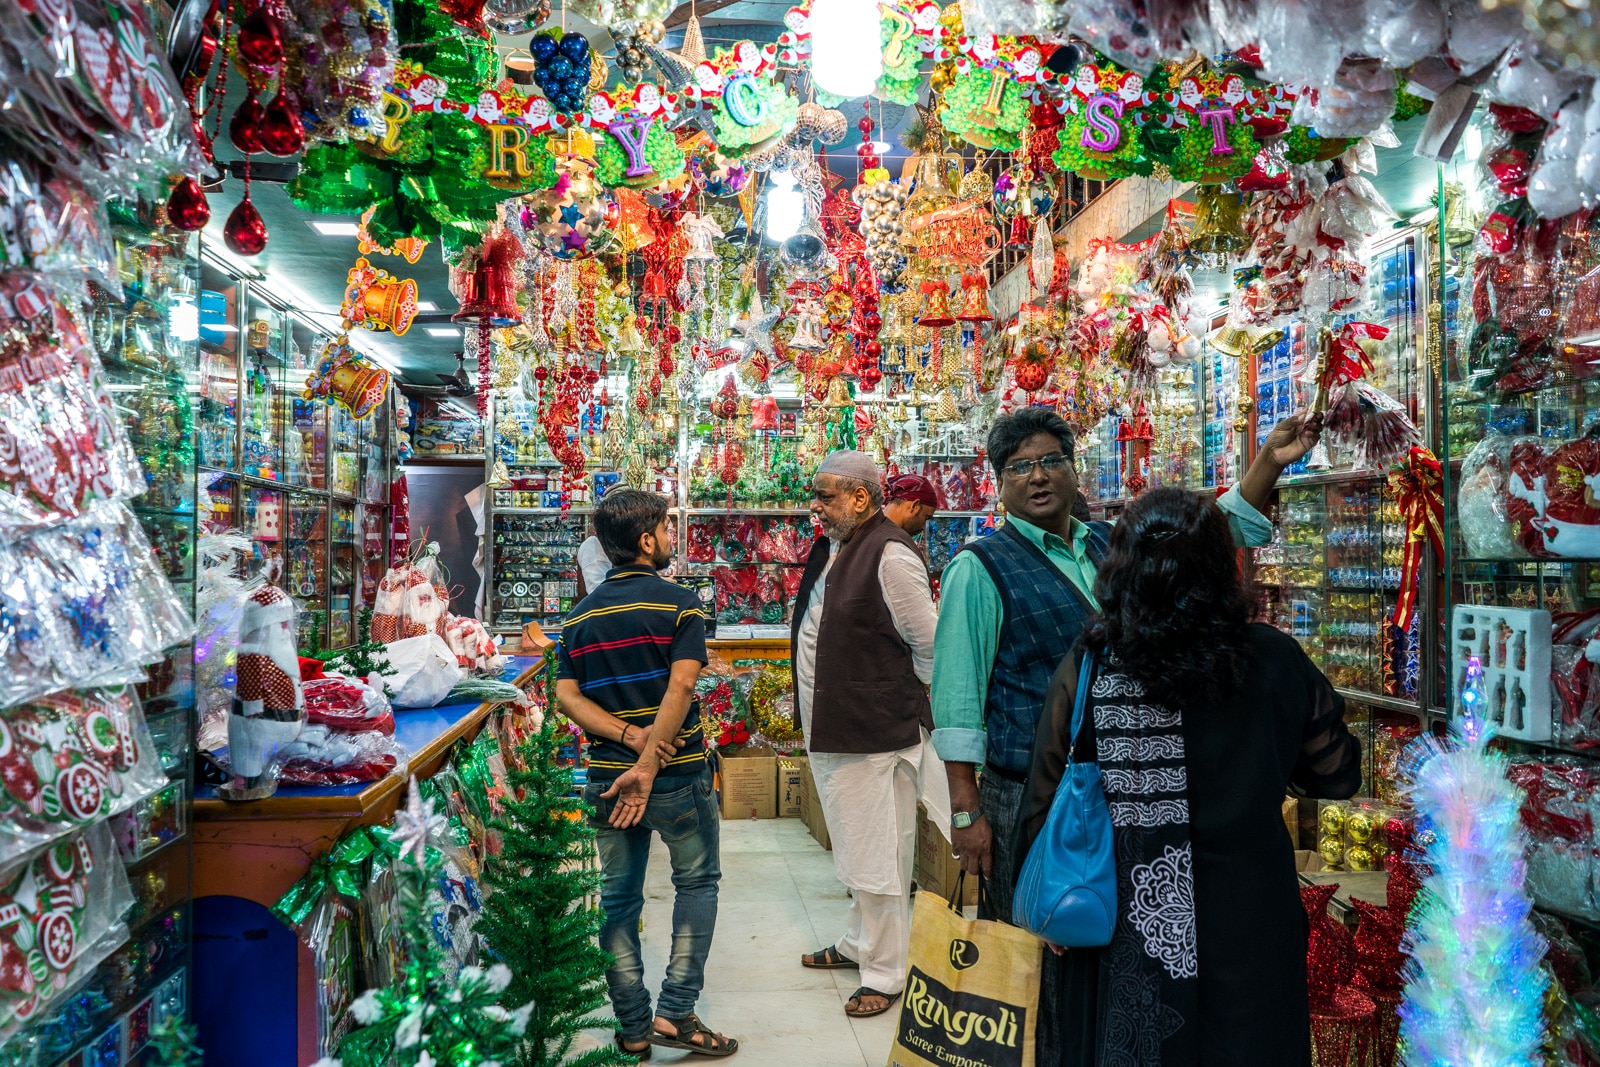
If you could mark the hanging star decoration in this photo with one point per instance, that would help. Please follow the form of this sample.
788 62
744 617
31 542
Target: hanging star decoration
415 823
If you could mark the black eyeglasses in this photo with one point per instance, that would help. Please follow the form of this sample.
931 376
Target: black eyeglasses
1022 468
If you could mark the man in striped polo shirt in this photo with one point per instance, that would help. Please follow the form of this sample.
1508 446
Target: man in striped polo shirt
631 652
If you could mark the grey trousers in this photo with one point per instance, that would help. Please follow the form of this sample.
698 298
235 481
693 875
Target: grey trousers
998 799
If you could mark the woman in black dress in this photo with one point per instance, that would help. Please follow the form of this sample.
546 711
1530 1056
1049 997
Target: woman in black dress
1201 721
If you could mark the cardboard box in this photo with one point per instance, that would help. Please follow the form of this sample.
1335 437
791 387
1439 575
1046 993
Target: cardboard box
749 784
1291 819
935 867
791 786
811 806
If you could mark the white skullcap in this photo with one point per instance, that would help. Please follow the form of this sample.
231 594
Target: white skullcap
850 464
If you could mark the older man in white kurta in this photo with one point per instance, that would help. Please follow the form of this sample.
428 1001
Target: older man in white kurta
862 650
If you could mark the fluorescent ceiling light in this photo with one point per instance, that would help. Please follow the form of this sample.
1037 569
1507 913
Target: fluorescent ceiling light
335 229
785 207
226 327
443 331
427 305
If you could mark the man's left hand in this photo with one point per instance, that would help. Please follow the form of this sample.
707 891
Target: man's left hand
632 790
1292 438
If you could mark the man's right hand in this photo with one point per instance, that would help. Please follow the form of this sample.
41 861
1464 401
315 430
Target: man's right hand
639 738
974 847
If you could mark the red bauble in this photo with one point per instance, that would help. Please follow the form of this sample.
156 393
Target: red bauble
673 334
872 321
868 377
541 373
187 208
872 349
245 232
666 365
281 132
1031 377
260 40
245 127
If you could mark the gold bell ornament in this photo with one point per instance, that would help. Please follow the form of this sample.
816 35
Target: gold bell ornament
975 298
935 304
1218 222
946 410
376 300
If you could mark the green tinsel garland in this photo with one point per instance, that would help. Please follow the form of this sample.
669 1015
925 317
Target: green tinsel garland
1302 145
1124 161
1407 106
782 112
1194 161
965 100
661 151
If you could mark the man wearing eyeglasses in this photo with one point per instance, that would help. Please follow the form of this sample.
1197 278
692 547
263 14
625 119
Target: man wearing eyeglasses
1011 605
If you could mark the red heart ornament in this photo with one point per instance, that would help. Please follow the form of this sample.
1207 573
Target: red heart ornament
187 208
245 232
244 129
281 132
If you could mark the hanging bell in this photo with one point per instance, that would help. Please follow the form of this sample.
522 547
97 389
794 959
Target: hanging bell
500 477
946 410
808 326
488 291
975 303
1020 236
806 252
764 414
935 304
1218 222
1460 225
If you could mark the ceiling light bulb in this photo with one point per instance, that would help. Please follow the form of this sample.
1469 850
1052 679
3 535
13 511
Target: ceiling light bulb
336 229
846 59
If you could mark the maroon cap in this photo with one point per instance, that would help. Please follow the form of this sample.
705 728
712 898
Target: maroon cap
912 487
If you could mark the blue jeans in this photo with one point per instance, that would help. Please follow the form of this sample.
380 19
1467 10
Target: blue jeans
684 812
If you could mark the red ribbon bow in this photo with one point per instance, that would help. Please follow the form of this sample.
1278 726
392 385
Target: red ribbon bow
1417 483
1346 361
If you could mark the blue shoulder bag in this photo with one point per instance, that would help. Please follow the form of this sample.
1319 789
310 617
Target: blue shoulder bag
1067 891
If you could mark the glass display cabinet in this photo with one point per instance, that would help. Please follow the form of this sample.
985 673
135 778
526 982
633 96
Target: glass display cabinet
308 483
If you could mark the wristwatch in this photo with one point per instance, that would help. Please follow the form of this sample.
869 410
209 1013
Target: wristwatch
963 819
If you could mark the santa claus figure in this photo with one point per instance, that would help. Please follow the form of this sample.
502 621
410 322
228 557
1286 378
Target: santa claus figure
268 706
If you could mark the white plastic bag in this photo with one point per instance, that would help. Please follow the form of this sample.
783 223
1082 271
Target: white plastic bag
422 671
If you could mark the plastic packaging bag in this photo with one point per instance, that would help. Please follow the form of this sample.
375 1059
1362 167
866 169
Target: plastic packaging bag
323 756
69 759
69 903
1575 677
412 599
422 670
1558 811
347 704
1481 500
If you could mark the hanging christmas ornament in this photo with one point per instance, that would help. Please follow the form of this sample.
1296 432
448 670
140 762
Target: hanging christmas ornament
485 281
750 110
515 17
561 68
245 232
1218 222
244 129
187 208
634 145
985 108
1105 107
345 378
376 300
1211 115
573 218
281 132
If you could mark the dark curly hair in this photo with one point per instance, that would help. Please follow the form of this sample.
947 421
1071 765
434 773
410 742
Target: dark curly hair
1173 607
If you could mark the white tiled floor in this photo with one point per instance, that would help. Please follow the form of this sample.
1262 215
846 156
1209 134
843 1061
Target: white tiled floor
778 899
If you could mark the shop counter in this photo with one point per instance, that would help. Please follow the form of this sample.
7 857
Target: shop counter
248 854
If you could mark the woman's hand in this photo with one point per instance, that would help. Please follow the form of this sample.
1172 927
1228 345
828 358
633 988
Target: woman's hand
1292 438
1057 949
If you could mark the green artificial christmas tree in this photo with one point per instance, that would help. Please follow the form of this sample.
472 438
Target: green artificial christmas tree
425 1019
173 1044
534 917
362 659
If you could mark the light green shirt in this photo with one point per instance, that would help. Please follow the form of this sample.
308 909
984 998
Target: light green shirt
971 614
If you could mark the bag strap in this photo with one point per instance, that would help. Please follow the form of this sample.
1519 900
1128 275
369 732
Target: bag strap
961 878
1079 702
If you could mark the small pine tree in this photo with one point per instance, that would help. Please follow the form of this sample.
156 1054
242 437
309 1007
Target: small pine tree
364 658
425 1019
534 918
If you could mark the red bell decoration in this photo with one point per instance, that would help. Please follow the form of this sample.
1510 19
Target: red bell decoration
764 414
244 129
1020 236
486 281
260 40
725 405
187 208
936 304
975 305
281 133
245 232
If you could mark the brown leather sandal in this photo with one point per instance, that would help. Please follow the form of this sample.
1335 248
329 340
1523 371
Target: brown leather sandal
640 1054
689 1027
858 995
827 959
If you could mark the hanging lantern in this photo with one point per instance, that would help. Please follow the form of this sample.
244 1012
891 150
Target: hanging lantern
975 305
935 304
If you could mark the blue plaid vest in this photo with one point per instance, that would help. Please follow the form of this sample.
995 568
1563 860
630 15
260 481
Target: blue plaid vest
1043 616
